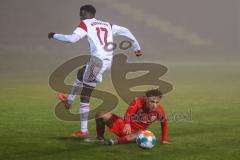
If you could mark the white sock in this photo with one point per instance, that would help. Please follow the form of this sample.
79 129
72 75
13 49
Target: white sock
74 91
84 111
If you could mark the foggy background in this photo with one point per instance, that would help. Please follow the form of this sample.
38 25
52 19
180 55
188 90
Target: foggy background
169 31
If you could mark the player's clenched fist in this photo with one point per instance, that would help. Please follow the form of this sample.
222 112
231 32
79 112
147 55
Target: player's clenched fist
138 53
50 35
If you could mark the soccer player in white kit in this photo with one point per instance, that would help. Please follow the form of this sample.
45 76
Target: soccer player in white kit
98 34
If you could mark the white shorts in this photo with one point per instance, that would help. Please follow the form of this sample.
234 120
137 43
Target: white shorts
95 69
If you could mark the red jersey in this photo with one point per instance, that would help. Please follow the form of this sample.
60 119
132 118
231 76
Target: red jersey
140 118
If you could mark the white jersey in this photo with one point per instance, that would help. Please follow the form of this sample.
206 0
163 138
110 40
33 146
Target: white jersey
98 34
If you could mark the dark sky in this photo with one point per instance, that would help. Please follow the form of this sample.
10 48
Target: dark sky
168 30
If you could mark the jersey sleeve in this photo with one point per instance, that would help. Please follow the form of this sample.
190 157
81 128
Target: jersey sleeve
73 38
119 30
81 30
79 33
164 124
132 108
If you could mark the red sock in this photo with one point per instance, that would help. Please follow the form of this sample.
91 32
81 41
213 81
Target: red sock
122 140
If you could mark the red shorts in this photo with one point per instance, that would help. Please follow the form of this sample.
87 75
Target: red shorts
118 126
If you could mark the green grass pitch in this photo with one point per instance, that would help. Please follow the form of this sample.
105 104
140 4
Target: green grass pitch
30 130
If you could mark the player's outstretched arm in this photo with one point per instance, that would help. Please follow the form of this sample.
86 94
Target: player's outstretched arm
73 38
119 30
164 126
64 38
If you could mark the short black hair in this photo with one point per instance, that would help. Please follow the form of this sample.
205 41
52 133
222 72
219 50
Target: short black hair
89 8
154 93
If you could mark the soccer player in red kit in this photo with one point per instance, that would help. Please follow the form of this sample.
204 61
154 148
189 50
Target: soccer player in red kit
141 113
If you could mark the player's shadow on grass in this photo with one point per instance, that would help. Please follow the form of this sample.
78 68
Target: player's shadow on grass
69 138
82 141
79 143
74 145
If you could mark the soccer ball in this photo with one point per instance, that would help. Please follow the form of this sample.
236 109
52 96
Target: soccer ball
146 139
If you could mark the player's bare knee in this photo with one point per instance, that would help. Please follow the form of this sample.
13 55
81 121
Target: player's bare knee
105 115
102 114
98 115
